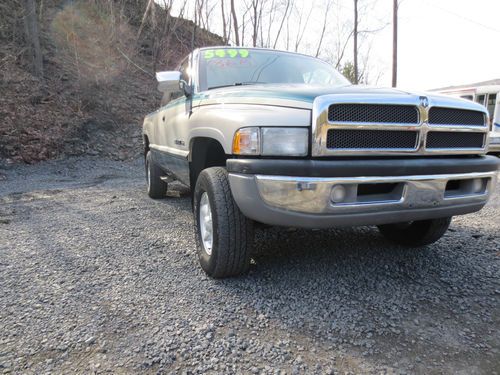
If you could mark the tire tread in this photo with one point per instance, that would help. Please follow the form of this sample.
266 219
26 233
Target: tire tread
234 230
157 187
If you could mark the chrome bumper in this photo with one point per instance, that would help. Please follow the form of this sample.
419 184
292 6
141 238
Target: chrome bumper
494 145
312 195
309 202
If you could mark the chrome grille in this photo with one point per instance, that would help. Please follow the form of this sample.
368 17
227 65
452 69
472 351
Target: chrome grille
455 117
452 140
396 125
371 139
373 113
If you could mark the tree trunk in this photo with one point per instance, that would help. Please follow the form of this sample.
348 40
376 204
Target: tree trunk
224 26
355 42
193 33
395 44
255 22
144 16
33 37
235 24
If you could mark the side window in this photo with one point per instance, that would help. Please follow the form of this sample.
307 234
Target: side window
492 99
480 99
185 70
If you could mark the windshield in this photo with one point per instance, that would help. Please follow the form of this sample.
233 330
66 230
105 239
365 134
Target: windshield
222 67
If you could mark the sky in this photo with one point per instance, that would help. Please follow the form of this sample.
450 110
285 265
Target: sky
441 42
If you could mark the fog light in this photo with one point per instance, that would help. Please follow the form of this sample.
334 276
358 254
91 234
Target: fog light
338 194
477 185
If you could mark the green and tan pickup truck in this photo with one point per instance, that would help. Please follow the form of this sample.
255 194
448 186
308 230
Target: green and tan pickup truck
279 138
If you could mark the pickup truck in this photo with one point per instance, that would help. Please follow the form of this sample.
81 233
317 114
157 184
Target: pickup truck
280 138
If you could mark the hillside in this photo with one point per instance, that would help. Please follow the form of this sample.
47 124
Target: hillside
99 65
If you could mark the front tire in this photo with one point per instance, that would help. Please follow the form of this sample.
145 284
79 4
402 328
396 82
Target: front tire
157 188
224 236
416 233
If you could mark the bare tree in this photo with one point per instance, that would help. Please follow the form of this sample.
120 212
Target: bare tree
256 19
229 28
144 17
342 50
195 25
287 33
244 23
325 20
355 33
224 23
235 24
359 32
171 26
301 28
33 37
271 16
206 11
157 39
395 43
199 5
162 26
285 17
368 74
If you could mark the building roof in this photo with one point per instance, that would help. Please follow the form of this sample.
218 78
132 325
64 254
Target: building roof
475 84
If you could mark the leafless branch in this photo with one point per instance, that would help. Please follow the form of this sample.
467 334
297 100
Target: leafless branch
285 17
325 20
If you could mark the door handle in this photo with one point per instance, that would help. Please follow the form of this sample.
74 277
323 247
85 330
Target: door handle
163 118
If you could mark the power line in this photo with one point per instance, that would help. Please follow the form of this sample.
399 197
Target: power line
463 17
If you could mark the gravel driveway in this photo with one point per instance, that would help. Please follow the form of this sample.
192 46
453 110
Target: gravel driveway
95 276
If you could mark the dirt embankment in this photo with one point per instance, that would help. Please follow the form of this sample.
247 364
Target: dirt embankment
99 65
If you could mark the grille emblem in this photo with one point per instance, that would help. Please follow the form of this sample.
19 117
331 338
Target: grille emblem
424 102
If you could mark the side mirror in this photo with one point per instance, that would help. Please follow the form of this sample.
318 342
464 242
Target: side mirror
168 82
171 85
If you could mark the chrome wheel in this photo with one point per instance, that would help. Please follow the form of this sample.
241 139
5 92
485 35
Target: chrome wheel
206 227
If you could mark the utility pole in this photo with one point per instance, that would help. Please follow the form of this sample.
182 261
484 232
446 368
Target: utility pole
395 43
356 42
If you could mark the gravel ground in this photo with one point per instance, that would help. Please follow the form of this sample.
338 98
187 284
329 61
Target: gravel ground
97 277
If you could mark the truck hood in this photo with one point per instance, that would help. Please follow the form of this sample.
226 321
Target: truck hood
303 95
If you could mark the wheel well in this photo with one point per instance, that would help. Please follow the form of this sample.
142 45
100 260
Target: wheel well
205 153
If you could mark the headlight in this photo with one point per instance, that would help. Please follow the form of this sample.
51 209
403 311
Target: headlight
271 141
284 141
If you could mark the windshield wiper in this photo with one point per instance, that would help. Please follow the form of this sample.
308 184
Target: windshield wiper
235 84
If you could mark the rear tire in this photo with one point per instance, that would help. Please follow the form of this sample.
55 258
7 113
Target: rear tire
157 188
416 233
224 236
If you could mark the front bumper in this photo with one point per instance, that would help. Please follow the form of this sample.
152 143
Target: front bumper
383 195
